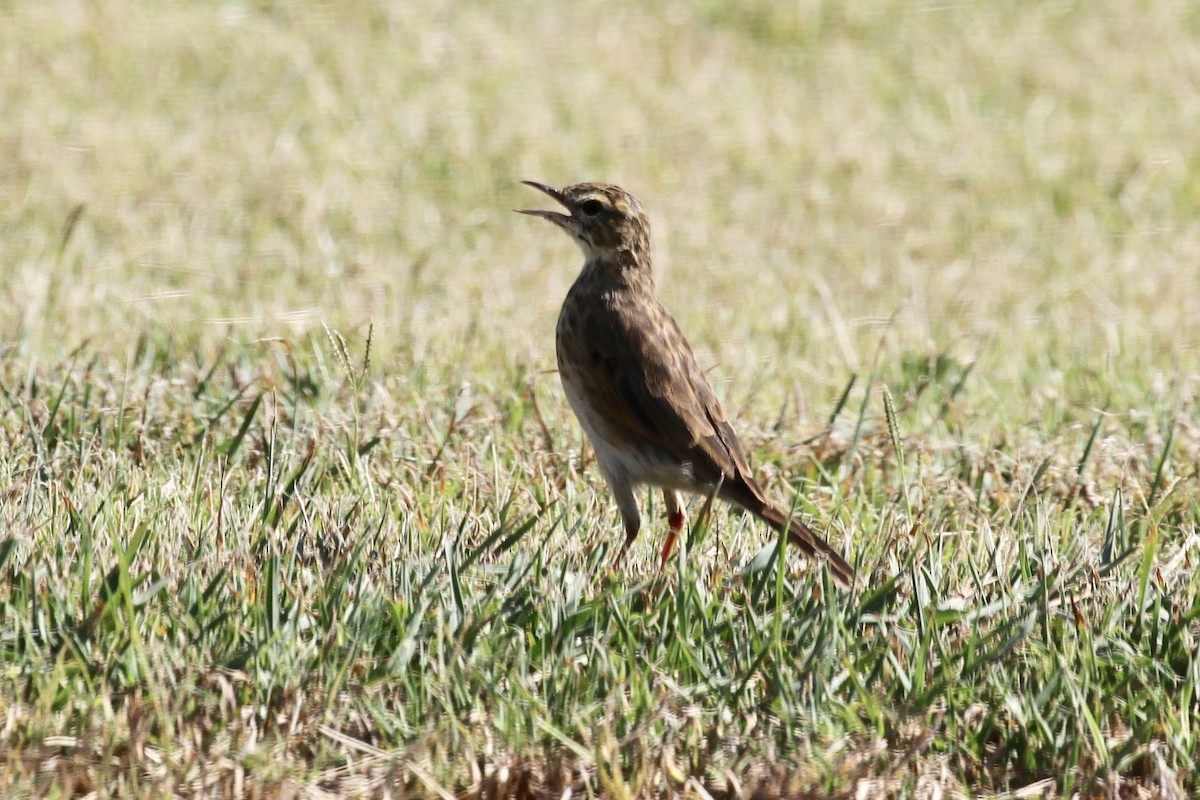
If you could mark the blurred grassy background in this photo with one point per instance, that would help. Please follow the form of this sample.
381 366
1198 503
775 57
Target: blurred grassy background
1011 180
997 200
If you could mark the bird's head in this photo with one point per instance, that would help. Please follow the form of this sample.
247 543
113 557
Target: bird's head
604 220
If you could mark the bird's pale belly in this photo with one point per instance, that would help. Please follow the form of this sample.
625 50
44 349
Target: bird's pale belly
636 462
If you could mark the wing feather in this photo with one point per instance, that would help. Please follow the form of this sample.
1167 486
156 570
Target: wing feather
646 378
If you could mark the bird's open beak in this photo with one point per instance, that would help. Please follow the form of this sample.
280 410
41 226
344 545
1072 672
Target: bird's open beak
553 216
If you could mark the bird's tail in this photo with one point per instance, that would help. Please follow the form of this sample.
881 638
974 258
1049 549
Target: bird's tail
803 537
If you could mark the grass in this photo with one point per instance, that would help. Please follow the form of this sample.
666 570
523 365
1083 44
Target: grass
291 501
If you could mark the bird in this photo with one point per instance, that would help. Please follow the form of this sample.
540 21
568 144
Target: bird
633 382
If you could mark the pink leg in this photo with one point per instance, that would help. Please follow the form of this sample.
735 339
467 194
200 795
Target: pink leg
675 519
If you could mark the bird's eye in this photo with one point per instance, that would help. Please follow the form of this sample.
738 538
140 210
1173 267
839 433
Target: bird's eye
592 207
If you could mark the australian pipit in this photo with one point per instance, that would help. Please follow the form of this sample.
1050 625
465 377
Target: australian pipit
633 382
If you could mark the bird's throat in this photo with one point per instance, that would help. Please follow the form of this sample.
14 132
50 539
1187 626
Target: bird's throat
620 268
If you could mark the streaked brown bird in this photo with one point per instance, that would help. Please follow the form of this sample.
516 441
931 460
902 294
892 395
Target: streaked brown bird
633 381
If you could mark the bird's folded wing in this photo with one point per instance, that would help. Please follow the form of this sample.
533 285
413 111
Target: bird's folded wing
654 392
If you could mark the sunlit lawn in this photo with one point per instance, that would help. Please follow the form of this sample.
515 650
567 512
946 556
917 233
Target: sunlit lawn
292 504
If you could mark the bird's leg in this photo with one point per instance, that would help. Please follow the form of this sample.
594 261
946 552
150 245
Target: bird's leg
632 526
626 504
675 520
